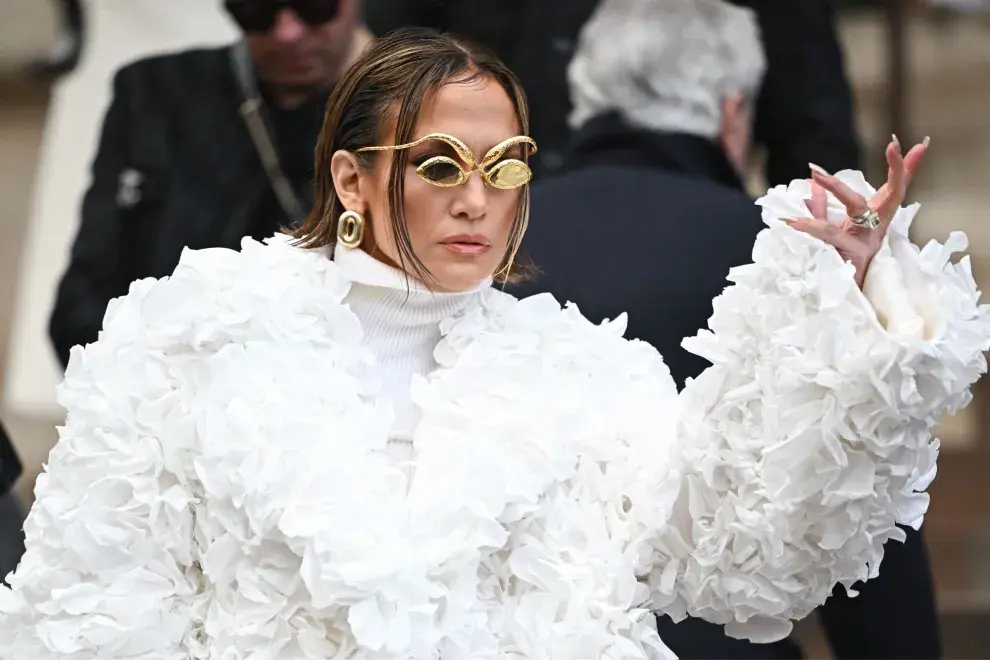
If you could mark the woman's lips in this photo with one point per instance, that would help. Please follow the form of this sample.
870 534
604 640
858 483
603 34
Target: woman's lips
467 244
471 249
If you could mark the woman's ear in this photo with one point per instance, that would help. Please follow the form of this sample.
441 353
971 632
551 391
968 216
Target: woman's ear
347 175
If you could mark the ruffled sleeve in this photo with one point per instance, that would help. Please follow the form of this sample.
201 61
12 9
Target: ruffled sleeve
810 437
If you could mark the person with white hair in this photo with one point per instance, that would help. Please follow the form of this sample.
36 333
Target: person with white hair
670 66
663 94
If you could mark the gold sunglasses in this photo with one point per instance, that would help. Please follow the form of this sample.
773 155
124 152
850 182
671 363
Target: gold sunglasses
446 172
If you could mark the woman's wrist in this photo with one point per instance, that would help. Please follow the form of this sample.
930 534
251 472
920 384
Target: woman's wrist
861 270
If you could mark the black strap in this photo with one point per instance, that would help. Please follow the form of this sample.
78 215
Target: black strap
253 112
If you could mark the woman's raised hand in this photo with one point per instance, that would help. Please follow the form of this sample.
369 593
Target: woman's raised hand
854 241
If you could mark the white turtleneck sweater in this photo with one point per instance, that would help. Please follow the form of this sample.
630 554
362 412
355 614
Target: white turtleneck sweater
401 321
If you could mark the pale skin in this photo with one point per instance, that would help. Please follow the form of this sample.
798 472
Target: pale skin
481 114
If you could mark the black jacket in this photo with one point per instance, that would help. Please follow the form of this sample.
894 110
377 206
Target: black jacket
175 167
650 224
10 465
804 112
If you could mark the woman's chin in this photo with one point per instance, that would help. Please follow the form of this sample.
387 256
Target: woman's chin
453 278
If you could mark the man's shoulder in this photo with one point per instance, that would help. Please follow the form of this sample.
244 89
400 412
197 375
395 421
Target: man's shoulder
713 194
187 68
642 191
640 178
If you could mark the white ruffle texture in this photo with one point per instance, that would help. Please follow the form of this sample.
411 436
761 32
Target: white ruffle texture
222 487
810 437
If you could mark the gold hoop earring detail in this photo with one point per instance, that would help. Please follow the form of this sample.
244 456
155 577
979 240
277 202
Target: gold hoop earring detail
350 229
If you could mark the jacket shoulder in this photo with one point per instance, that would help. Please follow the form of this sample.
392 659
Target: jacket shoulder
177 70
224 296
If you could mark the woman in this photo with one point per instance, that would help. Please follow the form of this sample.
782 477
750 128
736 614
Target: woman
276 454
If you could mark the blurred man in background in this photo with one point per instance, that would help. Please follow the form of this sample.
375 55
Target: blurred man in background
803 112
663 93
203 147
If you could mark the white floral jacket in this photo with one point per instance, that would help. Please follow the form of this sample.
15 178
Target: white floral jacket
221 489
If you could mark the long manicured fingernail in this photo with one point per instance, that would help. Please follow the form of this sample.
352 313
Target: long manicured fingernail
817 169
926 142
897 143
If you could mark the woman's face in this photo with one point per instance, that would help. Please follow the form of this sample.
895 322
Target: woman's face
460 233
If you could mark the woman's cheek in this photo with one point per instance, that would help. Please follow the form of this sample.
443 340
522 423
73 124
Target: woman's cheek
507 209
418 202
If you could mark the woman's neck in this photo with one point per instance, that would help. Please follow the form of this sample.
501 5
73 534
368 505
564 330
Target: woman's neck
401 320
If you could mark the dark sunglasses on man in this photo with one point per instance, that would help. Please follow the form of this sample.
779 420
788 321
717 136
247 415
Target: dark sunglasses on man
259 15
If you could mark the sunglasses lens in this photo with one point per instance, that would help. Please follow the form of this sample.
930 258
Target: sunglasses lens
259 15
510 174
315 12
441 171
252 15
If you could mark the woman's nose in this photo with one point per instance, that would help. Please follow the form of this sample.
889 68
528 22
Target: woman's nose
472 198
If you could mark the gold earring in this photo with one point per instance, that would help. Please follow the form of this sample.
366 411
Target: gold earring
350 229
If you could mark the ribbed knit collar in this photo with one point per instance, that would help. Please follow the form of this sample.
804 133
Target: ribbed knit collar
393 297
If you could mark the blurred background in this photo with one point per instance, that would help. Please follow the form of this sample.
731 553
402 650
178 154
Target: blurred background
917 69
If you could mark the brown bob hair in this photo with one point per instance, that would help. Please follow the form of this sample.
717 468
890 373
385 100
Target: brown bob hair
391 80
